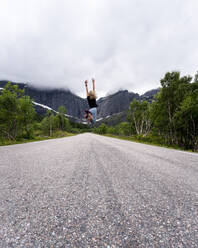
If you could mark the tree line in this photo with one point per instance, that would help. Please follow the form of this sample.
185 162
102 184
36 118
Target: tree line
19 120
172 117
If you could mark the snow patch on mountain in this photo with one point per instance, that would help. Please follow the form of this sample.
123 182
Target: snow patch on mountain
46 107
100 119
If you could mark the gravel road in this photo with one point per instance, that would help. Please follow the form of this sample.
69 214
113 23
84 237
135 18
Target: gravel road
94 191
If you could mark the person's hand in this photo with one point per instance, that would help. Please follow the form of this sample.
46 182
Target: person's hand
86 82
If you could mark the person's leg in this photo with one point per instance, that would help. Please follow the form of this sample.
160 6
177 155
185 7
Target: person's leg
94 114
86 115
90 117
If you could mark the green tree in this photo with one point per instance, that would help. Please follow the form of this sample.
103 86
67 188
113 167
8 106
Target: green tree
48 123
186 121
140 117
112 130
102 129
174 90
26 116
125 128
61 120
16 113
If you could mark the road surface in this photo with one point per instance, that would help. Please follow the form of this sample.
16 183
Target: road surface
94 191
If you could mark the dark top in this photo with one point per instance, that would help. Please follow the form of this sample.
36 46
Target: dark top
92 102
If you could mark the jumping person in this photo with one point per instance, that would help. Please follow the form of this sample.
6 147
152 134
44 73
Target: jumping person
91 114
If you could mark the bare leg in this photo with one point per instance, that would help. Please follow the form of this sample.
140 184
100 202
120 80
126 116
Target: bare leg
90 117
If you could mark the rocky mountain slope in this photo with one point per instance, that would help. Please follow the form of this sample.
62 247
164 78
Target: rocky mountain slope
115 103
75 105
54 98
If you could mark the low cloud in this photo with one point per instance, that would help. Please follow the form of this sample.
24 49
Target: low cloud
123 44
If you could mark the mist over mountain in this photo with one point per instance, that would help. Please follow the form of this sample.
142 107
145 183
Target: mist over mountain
75 105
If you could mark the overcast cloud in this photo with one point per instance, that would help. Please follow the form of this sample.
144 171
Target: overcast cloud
124 44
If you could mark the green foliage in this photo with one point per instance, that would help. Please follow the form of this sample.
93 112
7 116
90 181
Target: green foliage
171 119
124 129
174 90
186 121
62 123
53 123
16 113
173 114
18 120
102 129
112 130
62 110
48 124
140 117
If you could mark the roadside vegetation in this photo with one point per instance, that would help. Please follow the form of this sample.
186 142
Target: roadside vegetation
170 120
20 123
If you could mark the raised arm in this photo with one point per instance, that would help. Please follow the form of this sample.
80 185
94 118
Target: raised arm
86 82
93 81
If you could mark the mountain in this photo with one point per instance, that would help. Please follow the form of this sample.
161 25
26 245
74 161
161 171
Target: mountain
53 98
149 95
121 116
112 105
115 103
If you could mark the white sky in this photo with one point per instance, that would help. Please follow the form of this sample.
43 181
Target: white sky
124 44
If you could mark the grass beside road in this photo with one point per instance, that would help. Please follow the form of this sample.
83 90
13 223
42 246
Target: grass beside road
144 141
59 134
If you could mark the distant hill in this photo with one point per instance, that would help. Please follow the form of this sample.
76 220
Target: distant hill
149 95
115 103
53 98
112 105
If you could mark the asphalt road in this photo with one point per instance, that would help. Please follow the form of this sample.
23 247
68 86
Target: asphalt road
94 191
